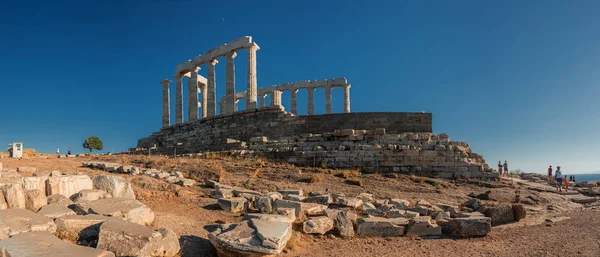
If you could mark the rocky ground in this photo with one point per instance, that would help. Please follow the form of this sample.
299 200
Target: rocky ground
191 213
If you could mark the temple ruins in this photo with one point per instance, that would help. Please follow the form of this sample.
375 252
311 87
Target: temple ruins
400 142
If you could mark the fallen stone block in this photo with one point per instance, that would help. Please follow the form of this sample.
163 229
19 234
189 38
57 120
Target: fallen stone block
26 169
500 214
519 211
31 183
114 185
468 227
365 197
400 204
271 217
128 209
186 182
15 196
35 199
370 209
16 221
129 239
36 244
221 193
296 198
210 183
317 225
320 199
377 226
424 227
60 199
234 204
251 238
55 210
3 204
350 202
237 191
82 227
90 195
344 222
291 192
313 209
297 206
68 185
263 204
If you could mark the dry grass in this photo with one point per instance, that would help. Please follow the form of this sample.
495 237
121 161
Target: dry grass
323 165
316 178
420 180
355 181
221 173
66 235
296 241
257 173
349 173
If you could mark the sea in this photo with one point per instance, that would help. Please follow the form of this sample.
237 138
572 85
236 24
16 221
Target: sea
585 177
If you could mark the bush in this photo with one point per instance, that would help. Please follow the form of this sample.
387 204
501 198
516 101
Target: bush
355 181
316 178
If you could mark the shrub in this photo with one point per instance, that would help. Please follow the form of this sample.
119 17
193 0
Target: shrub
355 181
316 178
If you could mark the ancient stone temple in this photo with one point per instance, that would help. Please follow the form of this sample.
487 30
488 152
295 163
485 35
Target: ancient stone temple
375 141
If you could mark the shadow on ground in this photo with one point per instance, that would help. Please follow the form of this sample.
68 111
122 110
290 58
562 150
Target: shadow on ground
193 246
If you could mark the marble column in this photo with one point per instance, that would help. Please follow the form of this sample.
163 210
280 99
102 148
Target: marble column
293 101
347 99
222 106
251 89
261 99
178 98
311 101
276 98
211 109
193 95
230 83
204 100
166 104
327 100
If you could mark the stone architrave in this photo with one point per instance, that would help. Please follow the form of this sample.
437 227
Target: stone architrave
166 104
311 101
211 109
347 99
327 100
293 106
230 82
252 82
178 98
193 95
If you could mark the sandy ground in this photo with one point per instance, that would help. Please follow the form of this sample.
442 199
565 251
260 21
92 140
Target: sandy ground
190 213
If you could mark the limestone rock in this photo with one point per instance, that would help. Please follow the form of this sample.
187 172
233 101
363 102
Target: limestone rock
500 214
343 223
114 185
313 209
60 199
15 196
317 225
3 204
365 197
519 211
35 199
400 204
291 192
16 221
295 198
67 185
350 202
271 217
370 209
36 244
221 193
423 226
234 204
251 239
377 226
90 195
129 239
55 210
320 199
297 206
128 209
26 169
84 227
30 183
263 204
468 227
186 182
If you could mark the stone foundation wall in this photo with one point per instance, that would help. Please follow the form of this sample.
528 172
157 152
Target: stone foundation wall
233 131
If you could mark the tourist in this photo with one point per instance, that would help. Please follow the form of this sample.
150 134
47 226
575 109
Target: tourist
500 168
57 151
558 179
574 179
550 173
566 182
69 151
505 168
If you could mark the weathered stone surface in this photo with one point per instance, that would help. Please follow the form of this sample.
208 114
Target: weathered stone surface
35 199
317 225
423 226
186 182
3 204
263 204
221 193
370 209
400 204
36 244
128 209
30 183
60 199
16 221
55 210
297 206
114 185
365 197
291 192
313 209
350 202
234 204
244 239
377 226
84 227
238 191
519 211
271 217
320 199
129 239
468 227
500 214
296 198
344 224
67 185
15 196
26 169
90 195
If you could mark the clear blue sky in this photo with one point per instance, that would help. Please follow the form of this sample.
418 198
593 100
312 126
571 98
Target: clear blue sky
517 80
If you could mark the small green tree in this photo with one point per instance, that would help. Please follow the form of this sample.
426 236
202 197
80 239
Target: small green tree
93 142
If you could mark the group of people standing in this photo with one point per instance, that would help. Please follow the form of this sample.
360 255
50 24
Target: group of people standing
561 181
502 167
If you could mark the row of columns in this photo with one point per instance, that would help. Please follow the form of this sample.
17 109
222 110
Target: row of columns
276 100
209 104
